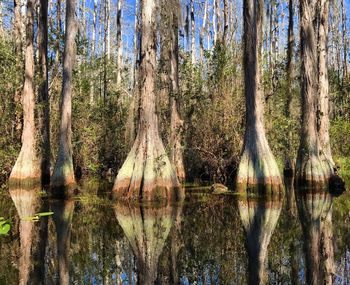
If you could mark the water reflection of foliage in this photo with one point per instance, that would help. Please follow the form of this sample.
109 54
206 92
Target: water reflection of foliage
213 248
93 253
9 245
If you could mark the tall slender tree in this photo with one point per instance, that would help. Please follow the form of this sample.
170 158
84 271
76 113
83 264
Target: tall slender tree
63 174
93 47
289 164
119 42
202 32
257 165
44 93
147 173
193 34
226 22
312 166
176 123
323 88
27 167
17 36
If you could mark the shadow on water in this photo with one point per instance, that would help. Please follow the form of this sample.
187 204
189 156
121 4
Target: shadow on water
205 239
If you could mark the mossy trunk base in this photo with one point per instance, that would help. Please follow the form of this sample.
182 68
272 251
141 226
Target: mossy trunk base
258 172
147 173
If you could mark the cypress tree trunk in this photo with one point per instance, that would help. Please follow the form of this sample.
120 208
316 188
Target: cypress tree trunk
323 80
119 42
44 93
58 35
202 32
63 174
257 165
226 23
289 163
17 34
312 167
92 55
147 173
193 34
27 167
176 123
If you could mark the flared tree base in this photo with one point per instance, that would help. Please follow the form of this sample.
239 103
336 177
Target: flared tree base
313 171
147 174
26 172
258 174
63 182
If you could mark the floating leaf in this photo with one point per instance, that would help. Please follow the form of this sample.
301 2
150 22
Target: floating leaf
4 227
44 214
31 219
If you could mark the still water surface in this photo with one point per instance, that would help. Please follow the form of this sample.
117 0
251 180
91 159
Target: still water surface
207 239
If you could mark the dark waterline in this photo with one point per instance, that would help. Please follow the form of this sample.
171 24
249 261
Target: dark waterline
207 239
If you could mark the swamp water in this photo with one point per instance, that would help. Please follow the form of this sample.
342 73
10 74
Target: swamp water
206 239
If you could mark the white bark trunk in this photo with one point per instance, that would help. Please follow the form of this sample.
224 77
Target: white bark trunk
119 42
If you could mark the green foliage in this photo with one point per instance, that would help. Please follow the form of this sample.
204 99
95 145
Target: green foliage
213 108
9 135
340 140
5 226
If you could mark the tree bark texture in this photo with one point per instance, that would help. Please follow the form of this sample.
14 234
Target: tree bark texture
323 105
147 173
119 42
27 166
63 174
312 166
44 93
289 163
176 123
257 166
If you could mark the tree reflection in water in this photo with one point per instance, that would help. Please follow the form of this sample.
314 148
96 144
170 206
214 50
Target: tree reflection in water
315 213
208 239
33 235
146 228
259 217
62 218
